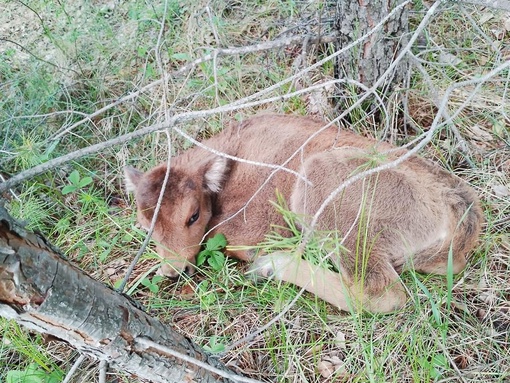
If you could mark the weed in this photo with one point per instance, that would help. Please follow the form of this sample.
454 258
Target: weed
76 183
152 283
41 369
212 252
215 345
33 374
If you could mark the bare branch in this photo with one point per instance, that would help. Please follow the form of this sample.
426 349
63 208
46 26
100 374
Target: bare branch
145 343
496 4
73 369
103 367
188 67
170 123
426 139
243 103
153 221
246 50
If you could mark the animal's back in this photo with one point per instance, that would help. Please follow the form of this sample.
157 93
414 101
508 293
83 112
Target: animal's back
276 140
410 215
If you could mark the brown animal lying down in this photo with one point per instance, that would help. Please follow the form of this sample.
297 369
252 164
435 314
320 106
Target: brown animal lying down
408 217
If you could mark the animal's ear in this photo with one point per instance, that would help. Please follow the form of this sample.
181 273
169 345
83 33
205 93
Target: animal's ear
132 178
216 172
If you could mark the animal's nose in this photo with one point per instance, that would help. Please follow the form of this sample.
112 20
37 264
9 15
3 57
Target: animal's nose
173 273
169 271
189 270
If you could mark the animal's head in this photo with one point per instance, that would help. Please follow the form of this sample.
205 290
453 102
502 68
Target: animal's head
186 207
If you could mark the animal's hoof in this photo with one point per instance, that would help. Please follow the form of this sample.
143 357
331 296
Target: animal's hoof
270 266
392 300
261 268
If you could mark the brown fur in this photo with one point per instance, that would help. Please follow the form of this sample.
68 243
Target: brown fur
410 217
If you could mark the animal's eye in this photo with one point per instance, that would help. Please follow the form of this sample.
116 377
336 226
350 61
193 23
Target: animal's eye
193 218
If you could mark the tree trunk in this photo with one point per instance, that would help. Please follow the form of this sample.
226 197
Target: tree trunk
367 61
43 292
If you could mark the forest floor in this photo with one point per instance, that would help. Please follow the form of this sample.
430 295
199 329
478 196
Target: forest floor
74 74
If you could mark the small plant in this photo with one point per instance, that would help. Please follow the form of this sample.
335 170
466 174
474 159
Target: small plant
434 366
212 253
214 346
76 183
33 374
206 295
153 284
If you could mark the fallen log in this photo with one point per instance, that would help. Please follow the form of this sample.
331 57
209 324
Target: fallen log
42 291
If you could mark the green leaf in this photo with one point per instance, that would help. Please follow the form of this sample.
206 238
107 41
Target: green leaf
153 288
202 256
203 286
152 285
217 260
30 375
217 242
84 181
54 377
439 363
214 346
74 177
212 253
435 366
68 189
181 56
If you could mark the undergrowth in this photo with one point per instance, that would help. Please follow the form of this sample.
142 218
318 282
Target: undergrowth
62 62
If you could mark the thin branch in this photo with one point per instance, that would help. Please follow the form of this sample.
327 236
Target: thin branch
243 103
213 27
496 4
103 368
37 57
300 148
153 221
145 343
170 123
148 237
328 58
73 369
392 66
276 318
479 81
238 159
446 115
188 67
427 138
10 190
246 50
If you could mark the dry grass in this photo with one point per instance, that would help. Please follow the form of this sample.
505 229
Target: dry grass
99 53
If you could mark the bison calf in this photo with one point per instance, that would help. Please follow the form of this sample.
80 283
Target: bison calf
411 216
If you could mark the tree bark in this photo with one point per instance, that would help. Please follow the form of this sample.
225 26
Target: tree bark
366 62
42 291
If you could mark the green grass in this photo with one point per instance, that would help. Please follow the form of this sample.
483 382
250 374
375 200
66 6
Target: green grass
452 329
29 361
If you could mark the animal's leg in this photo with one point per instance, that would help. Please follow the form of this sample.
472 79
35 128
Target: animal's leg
329 285
466 218
438 263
